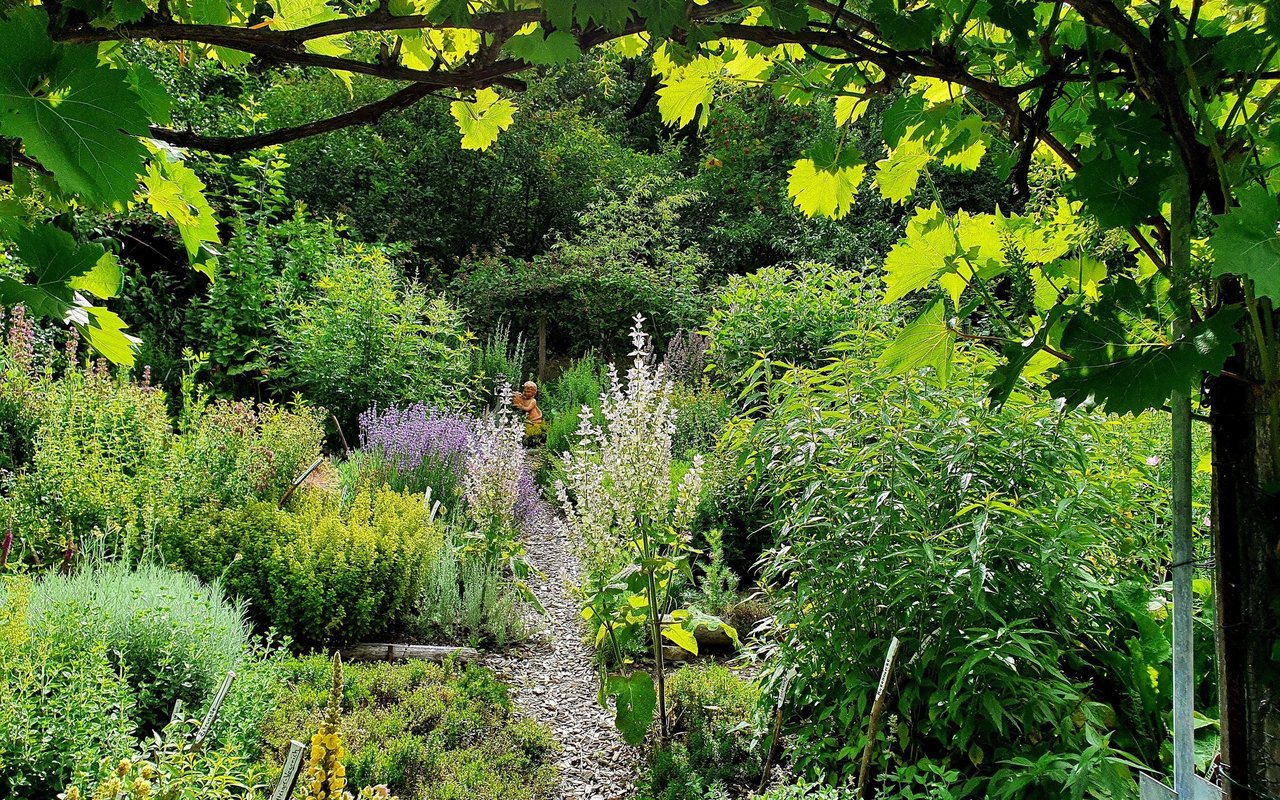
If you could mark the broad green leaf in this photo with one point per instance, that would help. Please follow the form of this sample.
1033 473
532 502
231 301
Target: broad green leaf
1123 356
1115 198
635 700
152 95
1246 242
921 256
898 174
688 90
824 192
104 331
926 342
481 120
632 46
103 281
294 14
907 31
965 146
850 107
53 258
661 17
78 119
1019 355
685 639
175 192
1016 16
558 47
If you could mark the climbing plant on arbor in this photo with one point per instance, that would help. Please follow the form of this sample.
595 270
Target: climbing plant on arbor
1158 115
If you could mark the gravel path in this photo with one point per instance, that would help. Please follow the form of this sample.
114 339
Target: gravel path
555 681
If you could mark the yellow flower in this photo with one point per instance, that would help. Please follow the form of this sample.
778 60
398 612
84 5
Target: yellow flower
141 787
122 768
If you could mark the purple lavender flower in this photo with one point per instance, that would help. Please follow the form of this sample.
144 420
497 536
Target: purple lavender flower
408 437
528 503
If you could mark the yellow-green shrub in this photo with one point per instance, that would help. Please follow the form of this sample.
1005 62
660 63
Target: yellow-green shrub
337 575
98 450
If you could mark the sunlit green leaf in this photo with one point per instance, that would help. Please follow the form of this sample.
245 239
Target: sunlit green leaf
80 120
635 700
926 342
481 120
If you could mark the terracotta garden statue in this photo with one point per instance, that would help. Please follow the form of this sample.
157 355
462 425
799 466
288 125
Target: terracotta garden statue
535 427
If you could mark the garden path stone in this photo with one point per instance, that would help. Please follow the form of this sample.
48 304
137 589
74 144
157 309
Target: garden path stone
554 678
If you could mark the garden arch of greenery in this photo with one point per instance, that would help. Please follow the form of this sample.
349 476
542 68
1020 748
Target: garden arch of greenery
1157 113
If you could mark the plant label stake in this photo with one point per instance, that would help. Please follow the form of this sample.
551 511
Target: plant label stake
214 708
877 709
289 777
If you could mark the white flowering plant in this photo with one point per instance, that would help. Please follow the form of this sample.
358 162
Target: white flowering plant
492 488
631 526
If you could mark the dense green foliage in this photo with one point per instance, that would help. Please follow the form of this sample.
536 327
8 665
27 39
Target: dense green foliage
1006 549
715 751
1076 197
429 732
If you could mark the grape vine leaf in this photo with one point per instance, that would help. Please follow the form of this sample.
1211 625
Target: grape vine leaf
635 700
174 191
481 120
688 90
1246 242
80 120
104 331
661 17
825 192
1004 378
898 174
52 258
557 47
104 280
152 95
923 254
1113 197
1124 358
925 342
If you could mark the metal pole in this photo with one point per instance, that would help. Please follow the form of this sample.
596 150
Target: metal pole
1180 404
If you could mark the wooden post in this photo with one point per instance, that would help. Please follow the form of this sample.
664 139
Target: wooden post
877 709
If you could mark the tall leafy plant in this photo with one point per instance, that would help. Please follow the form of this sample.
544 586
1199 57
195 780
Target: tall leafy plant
633 529
990 546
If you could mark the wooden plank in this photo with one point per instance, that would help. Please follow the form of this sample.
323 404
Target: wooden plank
385 651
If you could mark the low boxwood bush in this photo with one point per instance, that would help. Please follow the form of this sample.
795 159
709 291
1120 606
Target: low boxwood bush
325 572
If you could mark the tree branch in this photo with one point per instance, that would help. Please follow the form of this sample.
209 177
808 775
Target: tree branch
365 115
250 39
